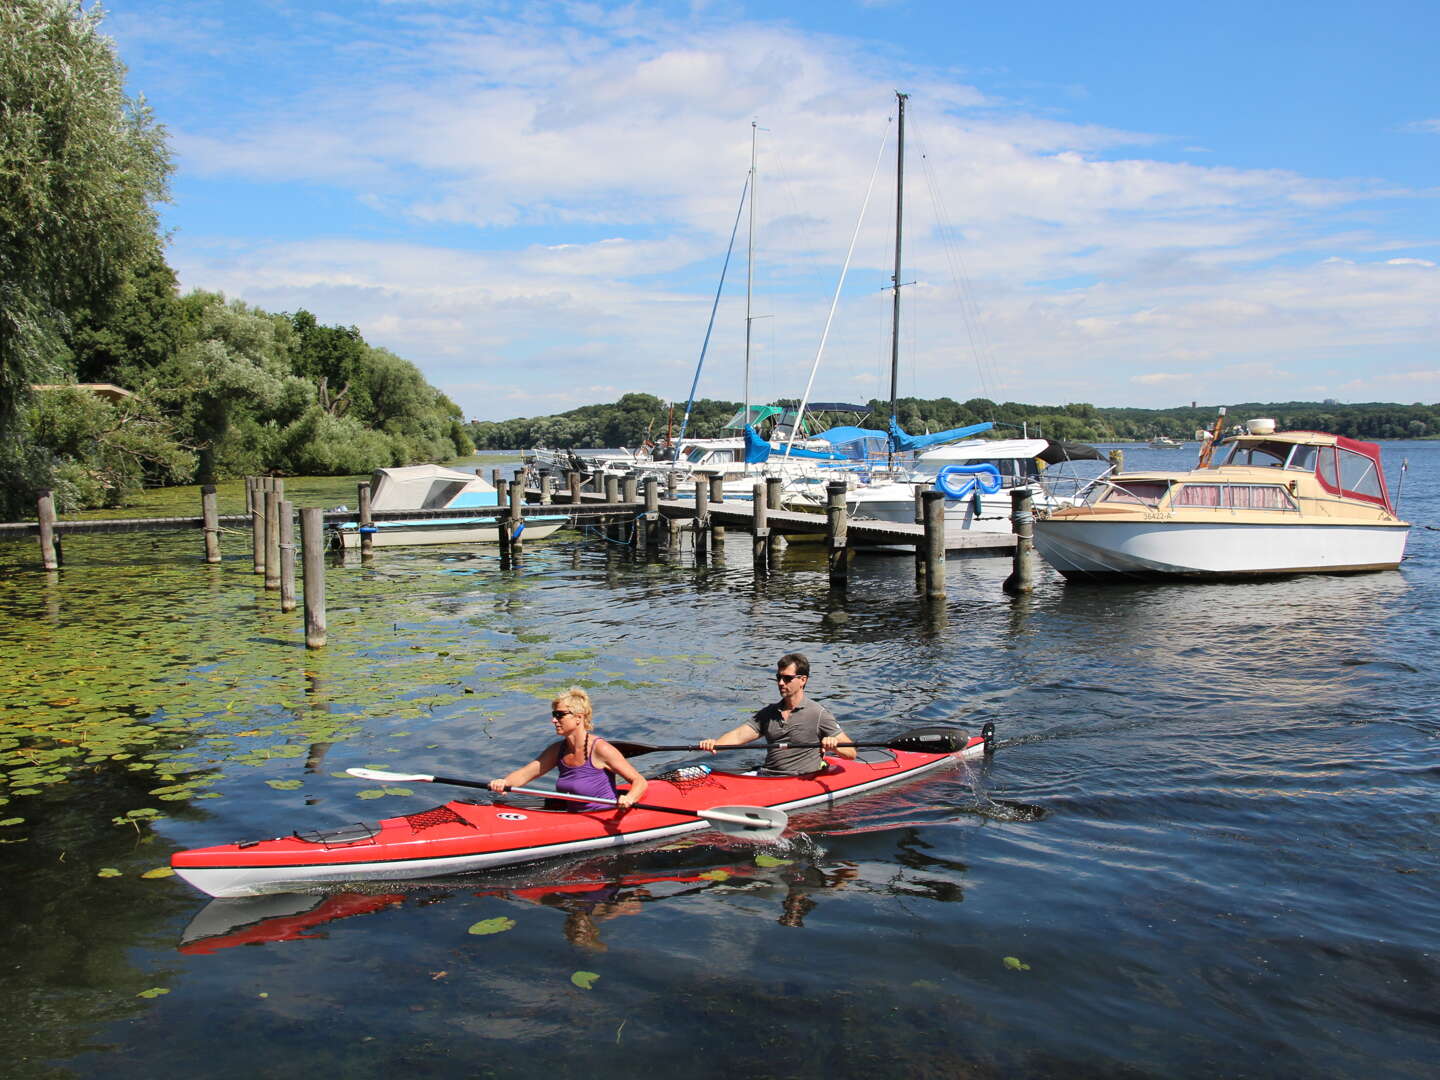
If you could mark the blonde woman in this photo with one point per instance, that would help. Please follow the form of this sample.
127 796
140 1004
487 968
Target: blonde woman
588 764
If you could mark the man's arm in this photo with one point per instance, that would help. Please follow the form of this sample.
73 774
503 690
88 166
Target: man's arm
736 736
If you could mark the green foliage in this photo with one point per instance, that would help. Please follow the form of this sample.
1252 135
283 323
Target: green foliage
81 166
102 451
625 423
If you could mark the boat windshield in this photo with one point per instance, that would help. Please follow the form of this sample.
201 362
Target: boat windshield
1131 492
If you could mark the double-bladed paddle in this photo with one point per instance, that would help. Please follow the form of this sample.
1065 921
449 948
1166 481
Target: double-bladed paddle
757 823
932 740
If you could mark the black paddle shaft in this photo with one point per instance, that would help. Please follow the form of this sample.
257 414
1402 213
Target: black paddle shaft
935 740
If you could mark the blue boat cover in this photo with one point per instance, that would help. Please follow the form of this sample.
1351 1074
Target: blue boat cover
899 440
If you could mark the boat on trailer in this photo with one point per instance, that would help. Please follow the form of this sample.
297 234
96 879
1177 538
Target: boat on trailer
462 836
1266 503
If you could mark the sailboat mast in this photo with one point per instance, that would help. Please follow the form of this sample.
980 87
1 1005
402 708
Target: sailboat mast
899 217
750 270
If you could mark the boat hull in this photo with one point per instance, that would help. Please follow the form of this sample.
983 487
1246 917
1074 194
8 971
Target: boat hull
464 836
1088 548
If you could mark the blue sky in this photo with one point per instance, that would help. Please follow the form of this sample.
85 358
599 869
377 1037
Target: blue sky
1115 202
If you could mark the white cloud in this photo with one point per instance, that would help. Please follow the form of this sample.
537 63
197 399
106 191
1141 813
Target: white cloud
548 201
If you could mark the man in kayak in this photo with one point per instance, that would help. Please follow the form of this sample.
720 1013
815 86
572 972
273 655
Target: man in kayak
792 719
587 764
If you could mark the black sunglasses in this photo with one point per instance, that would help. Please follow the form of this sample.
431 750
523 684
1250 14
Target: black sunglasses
556 714
787 678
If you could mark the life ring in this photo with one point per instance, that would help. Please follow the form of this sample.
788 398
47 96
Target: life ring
958 481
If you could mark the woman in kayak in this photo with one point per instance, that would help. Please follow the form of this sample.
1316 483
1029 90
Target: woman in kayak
587 764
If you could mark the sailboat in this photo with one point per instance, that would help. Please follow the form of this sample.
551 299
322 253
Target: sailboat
976 475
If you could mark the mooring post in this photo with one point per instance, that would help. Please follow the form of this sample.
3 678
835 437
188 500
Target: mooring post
1022 520
547 489
1117 460
717 496
49 549
211 517
272 539
611 487
628 486
652 512
312 543
366 524
760 528
287 555
934 544
515 523
502 492
257 523
774 493
572 480
702 515
672 482
921 552
836 531
495 477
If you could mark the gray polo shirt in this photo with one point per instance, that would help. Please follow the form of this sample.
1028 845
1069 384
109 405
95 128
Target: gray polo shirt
807 724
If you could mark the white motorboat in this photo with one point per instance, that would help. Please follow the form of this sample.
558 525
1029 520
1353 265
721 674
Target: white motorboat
1265 503
434 487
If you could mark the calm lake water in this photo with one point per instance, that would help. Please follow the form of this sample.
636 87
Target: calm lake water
1205 848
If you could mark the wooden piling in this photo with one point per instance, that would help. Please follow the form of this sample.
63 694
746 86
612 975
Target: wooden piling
717 496
921 552
287 555
312 543
702 515
211 516
760 529
652 512
45 512
774 494
836 529
934 544
257 523
1022 520
547 489
272 539
367 521
572 480
515 524
628 494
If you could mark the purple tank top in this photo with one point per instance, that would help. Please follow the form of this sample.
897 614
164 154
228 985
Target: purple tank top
586 779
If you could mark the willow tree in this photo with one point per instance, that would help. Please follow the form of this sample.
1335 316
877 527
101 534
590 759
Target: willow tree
82 166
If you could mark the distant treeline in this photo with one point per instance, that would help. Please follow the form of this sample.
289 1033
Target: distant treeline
636 417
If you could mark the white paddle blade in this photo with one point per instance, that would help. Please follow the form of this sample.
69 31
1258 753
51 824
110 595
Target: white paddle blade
759 824
388 777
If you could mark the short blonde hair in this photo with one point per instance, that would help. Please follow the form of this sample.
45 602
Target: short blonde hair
577 701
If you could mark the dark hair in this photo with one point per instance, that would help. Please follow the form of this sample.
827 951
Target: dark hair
799 660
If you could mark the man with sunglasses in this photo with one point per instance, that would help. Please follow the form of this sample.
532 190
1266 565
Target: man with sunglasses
792 719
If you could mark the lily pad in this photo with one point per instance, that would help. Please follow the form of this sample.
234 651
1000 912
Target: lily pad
159 872
285 785
107 871
153 992
771 860
716 875
1014 963
585 980
496 925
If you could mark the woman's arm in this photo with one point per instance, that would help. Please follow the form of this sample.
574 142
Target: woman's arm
523 775
616 762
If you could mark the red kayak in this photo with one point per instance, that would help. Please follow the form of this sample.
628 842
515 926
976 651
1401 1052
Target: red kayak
463 836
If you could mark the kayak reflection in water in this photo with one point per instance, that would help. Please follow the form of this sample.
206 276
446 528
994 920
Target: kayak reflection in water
588 765
791 719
